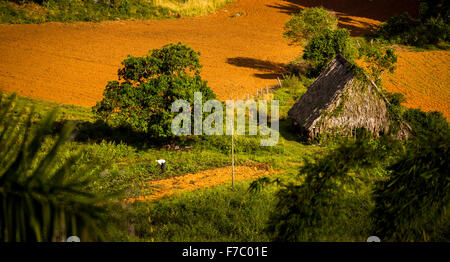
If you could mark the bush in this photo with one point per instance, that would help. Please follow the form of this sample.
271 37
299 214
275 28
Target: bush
432 26
149 86
412 204
309 23
434 8
304 210
325 46
426 124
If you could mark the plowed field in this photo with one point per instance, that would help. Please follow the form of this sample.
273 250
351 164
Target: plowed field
71 63
424 79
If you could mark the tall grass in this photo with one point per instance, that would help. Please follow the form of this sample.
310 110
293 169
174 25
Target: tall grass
101 10
192 7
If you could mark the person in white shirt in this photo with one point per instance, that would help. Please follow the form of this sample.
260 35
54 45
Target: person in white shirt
162 164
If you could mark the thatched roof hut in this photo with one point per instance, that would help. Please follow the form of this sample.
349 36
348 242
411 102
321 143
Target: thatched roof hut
342 100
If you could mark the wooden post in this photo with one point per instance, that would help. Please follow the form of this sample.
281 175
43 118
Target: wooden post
279 82
232 159
232 153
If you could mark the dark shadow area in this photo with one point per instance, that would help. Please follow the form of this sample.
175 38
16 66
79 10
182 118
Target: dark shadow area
271 70
380 10
290 132
360 29
96 132
375 9
287 9
269 76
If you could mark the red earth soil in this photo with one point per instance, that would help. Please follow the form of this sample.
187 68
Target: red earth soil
202 180
71 63
424 79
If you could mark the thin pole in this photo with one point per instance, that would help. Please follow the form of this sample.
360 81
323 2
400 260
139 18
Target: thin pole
232 153
232 159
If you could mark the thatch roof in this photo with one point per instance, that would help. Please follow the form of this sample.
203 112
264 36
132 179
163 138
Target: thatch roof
342 101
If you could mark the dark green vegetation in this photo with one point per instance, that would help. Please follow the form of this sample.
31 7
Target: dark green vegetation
149 85
431 28
43 194
20 12
413 203
399 191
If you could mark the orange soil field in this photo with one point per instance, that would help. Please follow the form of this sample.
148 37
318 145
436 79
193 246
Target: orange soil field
424 79
201 180
71 63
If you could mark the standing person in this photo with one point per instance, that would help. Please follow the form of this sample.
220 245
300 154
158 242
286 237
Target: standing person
162 164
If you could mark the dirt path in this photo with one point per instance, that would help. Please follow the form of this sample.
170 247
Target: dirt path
71 63
203 179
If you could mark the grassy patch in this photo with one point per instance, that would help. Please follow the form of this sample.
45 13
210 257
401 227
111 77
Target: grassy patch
192 7
101 10
216 214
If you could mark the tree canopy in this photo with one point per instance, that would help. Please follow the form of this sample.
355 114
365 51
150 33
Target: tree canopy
148 86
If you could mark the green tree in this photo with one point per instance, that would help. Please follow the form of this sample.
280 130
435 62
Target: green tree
434 8
431 27
148 86
309 23
380 61
322 48
42 196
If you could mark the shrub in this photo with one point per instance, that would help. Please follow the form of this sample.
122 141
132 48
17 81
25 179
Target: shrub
412 204
434 8
395 106
303 210
309 23
432 26
325 46
149 86
426 124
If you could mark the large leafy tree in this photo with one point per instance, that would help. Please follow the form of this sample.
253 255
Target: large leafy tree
148 86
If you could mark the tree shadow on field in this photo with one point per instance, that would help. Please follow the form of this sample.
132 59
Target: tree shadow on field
380 10
271 70
356 27
98 131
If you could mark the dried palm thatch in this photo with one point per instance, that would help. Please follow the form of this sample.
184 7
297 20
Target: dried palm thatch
343 100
